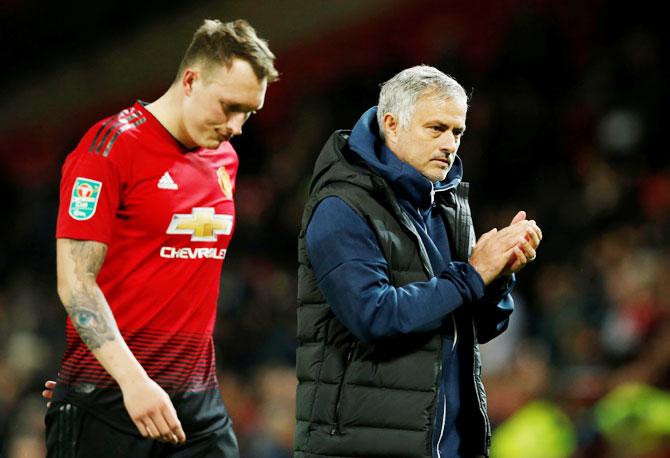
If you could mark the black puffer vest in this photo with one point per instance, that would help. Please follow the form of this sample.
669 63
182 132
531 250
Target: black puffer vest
378 399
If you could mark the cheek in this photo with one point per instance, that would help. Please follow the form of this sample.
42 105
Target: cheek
195 122
213 114
191 117
202 110
427 149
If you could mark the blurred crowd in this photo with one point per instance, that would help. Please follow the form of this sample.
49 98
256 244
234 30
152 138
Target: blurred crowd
565 122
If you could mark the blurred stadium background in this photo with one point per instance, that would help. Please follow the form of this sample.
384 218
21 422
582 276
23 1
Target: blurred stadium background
566 122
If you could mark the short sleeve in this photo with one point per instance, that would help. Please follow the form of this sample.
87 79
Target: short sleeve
89 192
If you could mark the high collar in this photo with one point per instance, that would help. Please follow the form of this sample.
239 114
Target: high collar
405 180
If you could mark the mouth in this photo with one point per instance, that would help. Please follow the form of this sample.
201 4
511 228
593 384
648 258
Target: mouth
222 137
444 161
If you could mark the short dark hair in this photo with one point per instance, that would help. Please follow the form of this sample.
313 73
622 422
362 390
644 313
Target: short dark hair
218 43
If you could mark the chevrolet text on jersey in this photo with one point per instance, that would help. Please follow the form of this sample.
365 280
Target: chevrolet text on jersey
170 252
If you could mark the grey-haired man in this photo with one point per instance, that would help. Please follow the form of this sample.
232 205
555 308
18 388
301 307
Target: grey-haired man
394 292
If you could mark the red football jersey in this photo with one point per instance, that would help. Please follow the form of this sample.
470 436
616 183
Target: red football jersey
167 216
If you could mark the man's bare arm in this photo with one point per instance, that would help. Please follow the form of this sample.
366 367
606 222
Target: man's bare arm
78 265
149 406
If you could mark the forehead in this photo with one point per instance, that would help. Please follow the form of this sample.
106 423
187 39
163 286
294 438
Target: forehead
432 108
236 84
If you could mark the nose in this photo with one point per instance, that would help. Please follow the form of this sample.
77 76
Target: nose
449 143
235 123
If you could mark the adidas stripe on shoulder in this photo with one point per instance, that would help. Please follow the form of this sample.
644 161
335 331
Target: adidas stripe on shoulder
112 128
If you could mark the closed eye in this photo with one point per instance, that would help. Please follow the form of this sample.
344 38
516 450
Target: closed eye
437 128
235 108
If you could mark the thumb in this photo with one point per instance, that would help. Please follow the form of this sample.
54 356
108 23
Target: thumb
488 234
519 217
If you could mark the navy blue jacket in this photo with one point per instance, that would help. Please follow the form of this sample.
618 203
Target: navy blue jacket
353 274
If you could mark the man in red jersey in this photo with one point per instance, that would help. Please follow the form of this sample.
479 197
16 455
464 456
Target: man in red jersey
146 215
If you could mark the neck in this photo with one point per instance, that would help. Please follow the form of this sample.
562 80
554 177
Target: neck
166 110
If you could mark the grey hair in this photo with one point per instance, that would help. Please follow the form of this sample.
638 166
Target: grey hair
399 95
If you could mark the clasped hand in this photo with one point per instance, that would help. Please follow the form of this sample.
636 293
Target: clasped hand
505 251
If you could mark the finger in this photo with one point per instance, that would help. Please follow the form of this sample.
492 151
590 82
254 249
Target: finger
520 228
179 433
47 394
167 422
533 238
520 256
174 424
487 235
50 384
532 233
141 427
163 428
516 262
509 254
528 251
512 236
491 232
517 266
152 430
519 217
537 229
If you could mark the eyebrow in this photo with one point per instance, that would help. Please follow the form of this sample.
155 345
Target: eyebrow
238 107
444 126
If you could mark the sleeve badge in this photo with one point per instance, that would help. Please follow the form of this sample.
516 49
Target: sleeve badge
84 199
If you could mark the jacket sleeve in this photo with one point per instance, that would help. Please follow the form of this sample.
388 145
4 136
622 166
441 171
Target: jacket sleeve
492 312
353 275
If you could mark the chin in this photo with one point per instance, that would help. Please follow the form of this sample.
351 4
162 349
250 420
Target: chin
443 175
440 176
210 144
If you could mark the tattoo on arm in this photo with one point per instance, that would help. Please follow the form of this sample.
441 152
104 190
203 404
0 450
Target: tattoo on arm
86 305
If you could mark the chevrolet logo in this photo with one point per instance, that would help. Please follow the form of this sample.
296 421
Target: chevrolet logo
203 225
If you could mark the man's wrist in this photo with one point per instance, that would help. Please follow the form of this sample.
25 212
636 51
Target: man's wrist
483 273
471 278
121 364
131 376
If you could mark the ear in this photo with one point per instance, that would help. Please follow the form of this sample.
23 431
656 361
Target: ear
188 79
391 127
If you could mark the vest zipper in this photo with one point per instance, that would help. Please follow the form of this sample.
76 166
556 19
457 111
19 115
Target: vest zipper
444 403
336 418
485 417
444 418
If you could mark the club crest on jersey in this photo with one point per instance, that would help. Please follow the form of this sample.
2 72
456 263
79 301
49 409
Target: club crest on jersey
84 199
203 225
224 182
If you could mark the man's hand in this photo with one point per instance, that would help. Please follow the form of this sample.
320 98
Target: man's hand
526 251
506 251
48 393
151 409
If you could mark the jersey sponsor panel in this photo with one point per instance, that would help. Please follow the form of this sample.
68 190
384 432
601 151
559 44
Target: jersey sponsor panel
202 224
